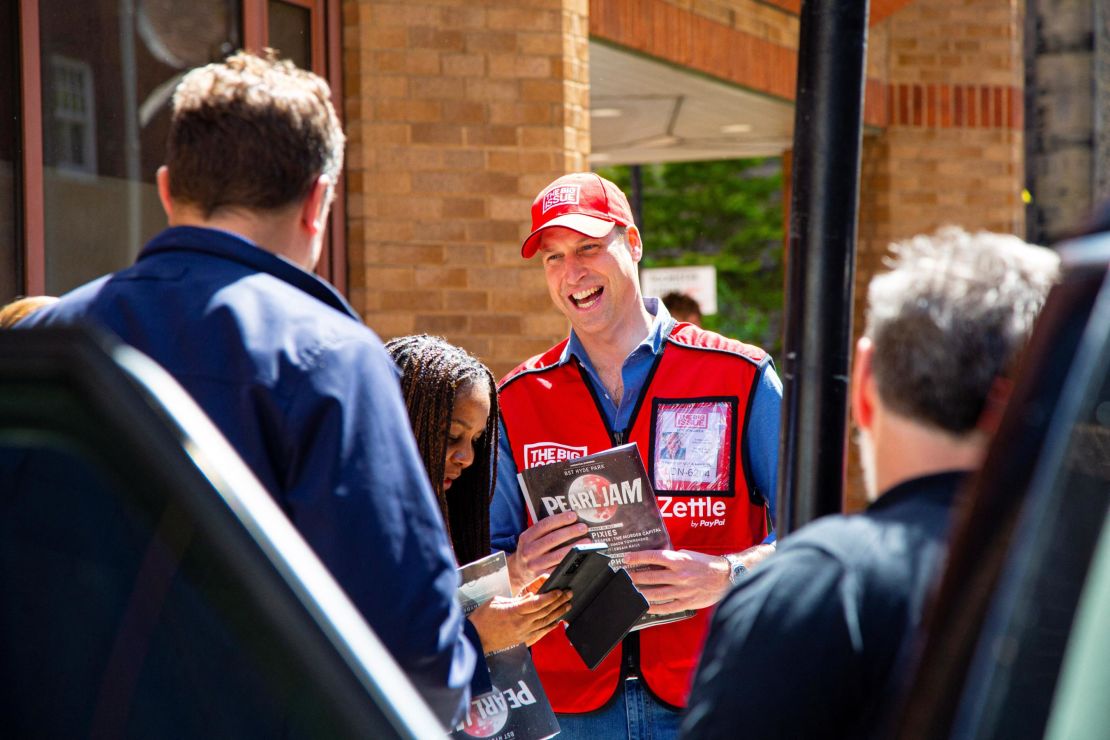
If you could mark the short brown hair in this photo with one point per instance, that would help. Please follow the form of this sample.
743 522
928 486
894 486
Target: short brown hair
253 132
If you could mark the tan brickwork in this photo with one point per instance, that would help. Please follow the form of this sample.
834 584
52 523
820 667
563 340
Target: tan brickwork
952 150
459 112
971 42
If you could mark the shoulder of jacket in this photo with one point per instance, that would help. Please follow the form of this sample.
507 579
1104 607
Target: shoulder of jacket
535 364
691 337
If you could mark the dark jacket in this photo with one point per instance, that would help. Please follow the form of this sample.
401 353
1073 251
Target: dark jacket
311 401
810 643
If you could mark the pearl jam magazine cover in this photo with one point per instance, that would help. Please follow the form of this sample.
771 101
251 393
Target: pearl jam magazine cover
612 496
517 708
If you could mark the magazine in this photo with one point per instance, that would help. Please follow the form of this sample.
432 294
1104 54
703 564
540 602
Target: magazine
613 497
517 708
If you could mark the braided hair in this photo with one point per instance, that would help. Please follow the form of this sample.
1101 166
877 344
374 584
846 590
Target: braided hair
433 371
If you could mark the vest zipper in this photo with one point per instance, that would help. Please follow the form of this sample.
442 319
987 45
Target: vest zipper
630 645
630 652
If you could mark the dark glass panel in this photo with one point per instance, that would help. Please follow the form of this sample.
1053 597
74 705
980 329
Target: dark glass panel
291 32
108 71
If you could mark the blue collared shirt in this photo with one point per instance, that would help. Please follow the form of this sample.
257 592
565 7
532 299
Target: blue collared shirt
507 518
309 398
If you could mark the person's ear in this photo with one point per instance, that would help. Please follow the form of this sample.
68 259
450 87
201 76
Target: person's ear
863 393
163 180
635 244
314 208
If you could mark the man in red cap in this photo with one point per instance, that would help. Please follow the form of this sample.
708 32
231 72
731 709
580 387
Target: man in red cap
629 373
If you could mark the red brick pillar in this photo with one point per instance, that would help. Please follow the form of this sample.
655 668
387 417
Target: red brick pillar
458 114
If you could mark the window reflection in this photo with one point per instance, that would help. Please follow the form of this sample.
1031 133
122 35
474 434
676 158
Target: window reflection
108 72
74 115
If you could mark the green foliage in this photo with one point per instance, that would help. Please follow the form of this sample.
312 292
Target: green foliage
726 213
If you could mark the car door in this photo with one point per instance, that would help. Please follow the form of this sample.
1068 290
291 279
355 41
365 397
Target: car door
151 587
1021 553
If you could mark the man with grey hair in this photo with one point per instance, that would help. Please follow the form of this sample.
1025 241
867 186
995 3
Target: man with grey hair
822 627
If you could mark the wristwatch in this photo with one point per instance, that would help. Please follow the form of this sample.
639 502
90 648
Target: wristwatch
736 568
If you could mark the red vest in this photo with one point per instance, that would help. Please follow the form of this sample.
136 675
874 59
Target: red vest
689 424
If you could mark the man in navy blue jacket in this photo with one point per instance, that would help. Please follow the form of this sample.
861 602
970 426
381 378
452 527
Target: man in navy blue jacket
810 644
225 300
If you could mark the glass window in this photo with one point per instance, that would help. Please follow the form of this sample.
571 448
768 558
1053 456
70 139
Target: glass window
108 72
11 283
74 115
291 32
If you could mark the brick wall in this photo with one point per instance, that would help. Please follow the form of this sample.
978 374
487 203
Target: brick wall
459 113
775 24
954 135
952 148
715 38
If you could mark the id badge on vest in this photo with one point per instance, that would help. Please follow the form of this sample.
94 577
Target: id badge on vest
692 445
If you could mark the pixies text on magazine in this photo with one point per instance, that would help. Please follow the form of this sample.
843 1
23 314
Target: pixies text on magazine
612 496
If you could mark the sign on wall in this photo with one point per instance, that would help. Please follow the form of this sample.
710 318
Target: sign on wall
697 281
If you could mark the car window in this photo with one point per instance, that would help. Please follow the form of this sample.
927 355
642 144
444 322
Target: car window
151 586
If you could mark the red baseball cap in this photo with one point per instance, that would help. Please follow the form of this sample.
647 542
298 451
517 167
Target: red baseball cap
582 202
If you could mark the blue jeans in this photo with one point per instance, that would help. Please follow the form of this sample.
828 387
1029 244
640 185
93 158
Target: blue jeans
633 714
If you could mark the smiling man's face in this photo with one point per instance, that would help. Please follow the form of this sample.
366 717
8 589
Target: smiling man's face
592 280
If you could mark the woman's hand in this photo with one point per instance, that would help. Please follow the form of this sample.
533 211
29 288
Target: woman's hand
503 622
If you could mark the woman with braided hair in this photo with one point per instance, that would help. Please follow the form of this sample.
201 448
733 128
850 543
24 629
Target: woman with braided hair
452 403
